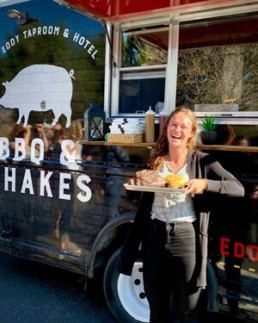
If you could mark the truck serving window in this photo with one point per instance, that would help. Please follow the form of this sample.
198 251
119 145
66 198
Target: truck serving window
143 69
217 65
207 62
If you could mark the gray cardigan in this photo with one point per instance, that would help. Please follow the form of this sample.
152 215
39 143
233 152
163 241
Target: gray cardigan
220 181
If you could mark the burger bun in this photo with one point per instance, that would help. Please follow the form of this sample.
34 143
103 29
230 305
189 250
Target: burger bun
175 181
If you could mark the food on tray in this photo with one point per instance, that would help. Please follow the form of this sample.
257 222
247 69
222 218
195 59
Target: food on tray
176 181
148 177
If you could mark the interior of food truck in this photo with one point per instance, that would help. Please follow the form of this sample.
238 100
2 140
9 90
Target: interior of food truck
196 53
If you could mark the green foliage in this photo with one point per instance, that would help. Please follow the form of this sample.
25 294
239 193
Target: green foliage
137 52
133 52
209 123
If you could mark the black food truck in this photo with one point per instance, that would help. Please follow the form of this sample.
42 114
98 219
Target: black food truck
72 72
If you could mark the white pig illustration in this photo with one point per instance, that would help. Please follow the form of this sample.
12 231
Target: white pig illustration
40 88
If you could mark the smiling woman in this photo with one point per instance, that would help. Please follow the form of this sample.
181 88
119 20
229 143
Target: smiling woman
174 243
185 120
180 130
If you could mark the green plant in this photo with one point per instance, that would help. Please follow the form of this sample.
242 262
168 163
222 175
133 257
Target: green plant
209 123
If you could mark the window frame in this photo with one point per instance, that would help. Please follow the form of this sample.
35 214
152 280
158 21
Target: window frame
173 20
119 71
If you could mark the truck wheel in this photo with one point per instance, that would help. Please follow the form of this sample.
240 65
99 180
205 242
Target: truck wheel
125 294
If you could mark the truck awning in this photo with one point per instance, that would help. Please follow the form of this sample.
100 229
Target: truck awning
114 10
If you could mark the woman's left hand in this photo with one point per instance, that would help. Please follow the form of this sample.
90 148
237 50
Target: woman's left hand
196 186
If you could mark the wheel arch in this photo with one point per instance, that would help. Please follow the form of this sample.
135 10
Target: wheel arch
110 238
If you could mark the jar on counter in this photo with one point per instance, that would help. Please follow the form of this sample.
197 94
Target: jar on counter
163 118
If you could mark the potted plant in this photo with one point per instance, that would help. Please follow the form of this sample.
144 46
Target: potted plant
209 134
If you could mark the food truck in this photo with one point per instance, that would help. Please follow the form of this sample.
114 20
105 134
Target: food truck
73 73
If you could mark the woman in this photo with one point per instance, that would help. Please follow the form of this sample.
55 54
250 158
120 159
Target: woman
173 227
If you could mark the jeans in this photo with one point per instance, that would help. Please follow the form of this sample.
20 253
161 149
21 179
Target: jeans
169 258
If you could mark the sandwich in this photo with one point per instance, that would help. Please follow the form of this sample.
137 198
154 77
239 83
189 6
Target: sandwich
175 181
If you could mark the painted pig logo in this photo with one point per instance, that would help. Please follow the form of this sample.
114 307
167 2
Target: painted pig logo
40 88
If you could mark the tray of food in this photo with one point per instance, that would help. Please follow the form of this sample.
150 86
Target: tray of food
148 180
155 189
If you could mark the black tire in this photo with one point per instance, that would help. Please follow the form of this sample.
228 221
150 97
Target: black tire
125 294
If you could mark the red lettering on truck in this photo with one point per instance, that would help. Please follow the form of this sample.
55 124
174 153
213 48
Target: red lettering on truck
239 249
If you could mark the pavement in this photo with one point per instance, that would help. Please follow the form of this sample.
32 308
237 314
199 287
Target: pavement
35 293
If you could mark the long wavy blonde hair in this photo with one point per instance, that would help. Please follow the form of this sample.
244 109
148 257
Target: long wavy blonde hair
161 148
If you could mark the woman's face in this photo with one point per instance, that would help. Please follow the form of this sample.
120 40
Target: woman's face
179 130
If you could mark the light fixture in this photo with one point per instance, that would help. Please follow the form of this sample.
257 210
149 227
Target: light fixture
13 14
22 17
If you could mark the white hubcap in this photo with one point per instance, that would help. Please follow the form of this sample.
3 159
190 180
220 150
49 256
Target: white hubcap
131 294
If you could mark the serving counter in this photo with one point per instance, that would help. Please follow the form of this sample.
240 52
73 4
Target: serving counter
253 149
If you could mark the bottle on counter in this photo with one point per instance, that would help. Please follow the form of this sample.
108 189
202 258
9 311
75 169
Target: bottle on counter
163 117
149 126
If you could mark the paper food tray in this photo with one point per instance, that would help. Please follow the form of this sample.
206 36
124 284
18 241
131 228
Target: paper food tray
154 189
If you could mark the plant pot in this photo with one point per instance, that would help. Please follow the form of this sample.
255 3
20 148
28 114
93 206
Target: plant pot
208 137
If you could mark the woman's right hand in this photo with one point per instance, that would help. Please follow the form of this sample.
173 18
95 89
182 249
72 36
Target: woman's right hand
196 186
